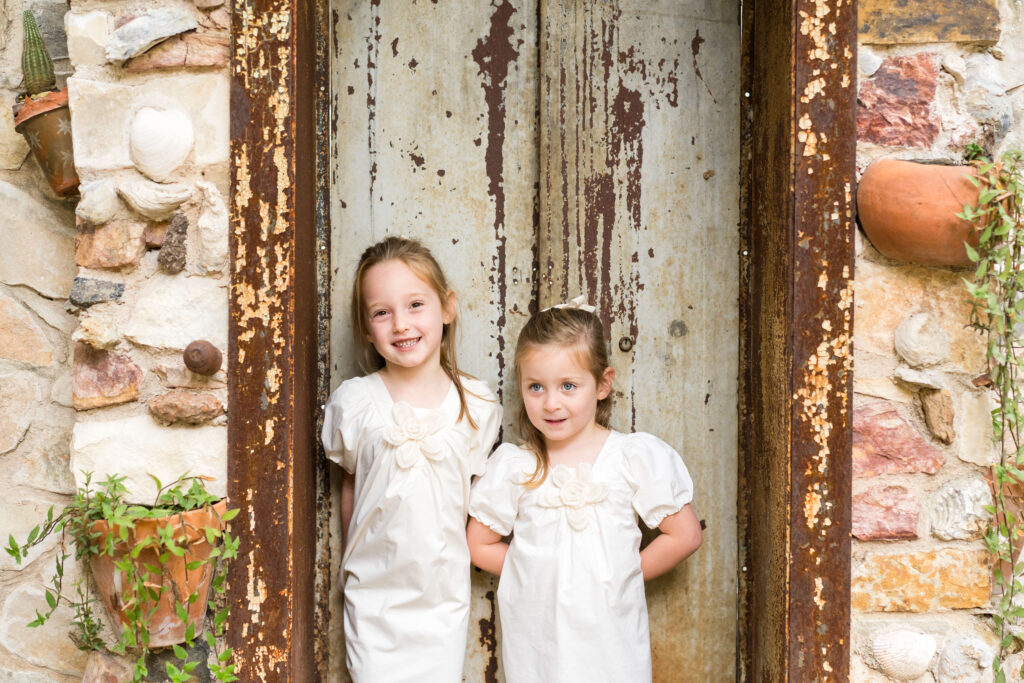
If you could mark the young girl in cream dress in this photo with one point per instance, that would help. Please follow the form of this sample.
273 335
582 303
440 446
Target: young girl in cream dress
409 436
571 593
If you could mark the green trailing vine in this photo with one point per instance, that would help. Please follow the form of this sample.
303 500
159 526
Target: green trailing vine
997 298
143 584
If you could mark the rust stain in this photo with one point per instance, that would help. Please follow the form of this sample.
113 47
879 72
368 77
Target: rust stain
489 640
493 54
695 49
372 56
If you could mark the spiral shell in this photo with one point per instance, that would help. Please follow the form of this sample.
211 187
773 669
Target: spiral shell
160 140
903 654
153 200
202 357
958 510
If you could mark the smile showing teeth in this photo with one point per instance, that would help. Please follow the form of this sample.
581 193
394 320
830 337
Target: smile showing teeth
406 343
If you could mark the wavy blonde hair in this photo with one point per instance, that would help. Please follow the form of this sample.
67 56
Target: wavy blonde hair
423 264
571 328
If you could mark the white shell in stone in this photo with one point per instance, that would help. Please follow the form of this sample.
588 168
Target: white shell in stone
964 659
212 227
99 203
160 140
921 341
153 200
957 510
903 654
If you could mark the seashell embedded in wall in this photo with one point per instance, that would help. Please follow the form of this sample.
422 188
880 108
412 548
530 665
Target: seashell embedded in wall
903 654
964 659
154 200
160 140
958 510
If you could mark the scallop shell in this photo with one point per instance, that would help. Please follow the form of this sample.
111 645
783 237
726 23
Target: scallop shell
160 139
153 200
903 654
958 510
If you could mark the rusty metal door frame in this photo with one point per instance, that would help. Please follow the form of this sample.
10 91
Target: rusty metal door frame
796 324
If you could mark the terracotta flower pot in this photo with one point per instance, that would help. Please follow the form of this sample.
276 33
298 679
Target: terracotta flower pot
46 124
908 211
164 626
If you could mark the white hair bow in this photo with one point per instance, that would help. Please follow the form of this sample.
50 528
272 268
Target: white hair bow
579 303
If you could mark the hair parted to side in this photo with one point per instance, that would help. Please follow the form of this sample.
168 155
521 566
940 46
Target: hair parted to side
571 328
421 262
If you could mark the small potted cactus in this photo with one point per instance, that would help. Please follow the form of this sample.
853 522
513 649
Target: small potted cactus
42 114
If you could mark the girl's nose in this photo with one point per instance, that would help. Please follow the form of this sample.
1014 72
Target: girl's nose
398 322
550 401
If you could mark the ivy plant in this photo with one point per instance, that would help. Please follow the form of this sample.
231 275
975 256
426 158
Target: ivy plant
997 298
143 586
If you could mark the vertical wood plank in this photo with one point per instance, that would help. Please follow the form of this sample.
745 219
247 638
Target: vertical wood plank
797 325
272 330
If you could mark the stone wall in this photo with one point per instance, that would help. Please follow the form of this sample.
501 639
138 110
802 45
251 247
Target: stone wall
933 77
99 296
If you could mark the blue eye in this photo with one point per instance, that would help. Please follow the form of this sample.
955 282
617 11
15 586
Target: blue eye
378 314
533 387
568 386
416 304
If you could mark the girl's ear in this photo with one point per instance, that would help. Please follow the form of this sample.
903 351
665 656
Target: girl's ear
604 387
450 306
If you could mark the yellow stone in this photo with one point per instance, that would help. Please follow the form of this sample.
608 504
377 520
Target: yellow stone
946 578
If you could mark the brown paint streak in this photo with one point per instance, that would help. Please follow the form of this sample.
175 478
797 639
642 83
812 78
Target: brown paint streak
489 640
493 54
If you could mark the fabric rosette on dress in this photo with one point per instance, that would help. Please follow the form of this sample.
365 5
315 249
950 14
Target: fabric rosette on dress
574 490
416 438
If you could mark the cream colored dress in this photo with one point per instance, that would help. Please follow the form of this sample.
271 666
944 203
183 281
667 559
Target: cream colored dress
571 594
406 564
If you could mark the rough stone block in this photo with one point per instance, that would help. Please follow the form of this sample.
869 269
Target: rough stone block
190 49
47 645
957 510
885 513
45 465
86 291
23 338
21 514
101 113
19 393
87 37
114 245
173 310
146 30
155 235
887 294
974 424
108 668
884 442
103 378
98 333
185 407
173 250
137 447
938 21
938 413
945 578
895 104
13 147
42 231
212 228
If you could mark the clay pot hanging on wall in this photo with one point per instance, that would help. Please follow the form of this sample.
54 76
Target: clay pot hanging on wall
173 578
45 121
908 211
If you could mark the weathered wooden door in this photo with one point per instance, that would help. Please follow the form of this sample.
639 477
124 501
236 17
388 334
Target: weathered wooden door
544 150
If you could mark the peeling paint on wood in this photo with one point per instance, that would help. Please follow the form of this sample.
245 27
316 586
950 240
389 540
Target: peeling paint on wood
797 326
639 211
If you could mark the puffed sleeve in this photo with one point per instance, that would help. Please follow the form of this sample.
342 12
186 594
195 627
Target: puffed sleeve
494 499
487 415
661 484
342 424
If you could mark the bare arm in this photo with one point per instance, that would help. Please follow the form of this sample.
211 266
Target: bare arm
348 486
486 549
680 537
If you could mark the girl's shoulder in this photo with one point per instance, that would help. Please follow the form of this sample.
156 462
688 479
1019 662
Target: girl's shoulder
511 462
478 391
352 390
641 444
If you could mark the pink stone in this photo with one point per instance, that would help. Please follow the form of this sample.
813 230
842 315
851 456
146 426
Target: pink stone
113 245
189 49
895 104
107 668
103 378
884 442
885 513
185 407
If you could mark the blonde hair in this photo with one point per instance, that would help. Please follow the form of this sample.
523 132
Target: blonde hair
422 263
571 328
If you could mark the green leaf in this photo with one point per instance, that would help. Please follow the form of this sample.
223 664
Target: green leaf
230 514
179 652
